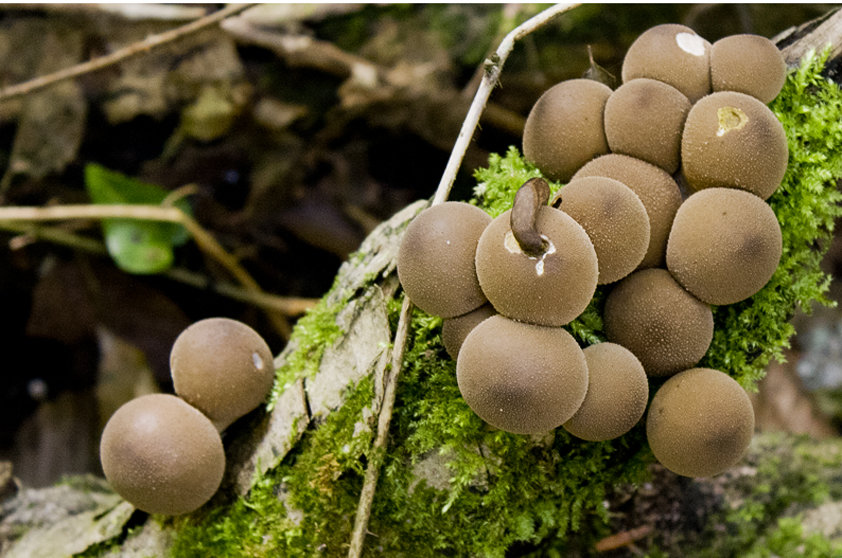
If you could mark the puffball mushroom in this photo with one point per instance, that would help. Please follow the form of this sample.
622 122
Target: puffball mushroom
615 220
732 140
665 326
564 129
700 423
657 190
673 54
222 367
724 246
521 378
162 455
644 119
550 288
436 259
749 64
455 330
618 391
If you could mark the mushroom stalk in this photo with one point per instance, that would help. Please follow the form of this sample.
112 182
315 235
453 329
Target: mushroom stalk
529 199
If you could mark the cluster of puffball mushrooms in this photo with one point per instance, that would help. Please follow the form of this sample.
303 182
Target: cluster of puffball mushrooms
667 178
163 453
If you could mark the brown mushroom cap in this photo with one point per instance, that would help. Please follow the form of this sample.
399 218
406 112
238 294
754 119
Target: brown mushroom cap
673 54
724 246
657 190
700 423
162 455
644 119
615 220
749 64
564 129
455 330
222 367
665 327
732 140
436 259
521 378
550 290
618 391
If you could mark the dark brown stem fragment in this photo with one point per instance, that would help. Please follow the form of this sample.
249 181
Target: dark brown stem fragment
529 199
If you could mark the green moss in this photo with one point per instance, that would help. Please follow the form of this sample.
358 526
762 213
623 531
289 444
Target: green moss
504 491
307 503
788 474
314 333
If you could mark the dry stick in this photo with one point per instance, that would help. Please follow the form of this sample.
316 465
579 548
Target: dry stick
204 239
489 81
141 47
287 305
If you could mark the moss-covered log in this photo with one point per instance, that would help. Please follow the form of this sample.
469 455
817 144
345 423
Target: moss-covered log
450 484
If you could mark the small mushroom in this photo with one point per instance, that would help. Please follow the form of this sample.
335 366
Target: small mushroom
222 367
618 391
657 190
162 455
732 140
700 423
665 327
455 330
673 54
551 288
615 220
564 129
724 246
749 64
436 259
521 378
644 119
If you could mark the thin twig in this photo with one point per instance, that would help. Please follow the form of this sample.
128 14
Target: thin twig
619 540
206 242
141 47
286 305
489 81
493 68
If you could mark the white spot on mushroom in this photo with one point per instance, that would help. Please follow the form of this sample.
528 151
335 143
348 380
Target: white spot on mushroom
730 118
511 244
258 362
691 43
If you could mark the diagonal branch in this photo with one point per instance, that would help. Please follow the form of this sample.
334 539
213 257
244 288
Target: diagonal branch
489 81
141 47
203 238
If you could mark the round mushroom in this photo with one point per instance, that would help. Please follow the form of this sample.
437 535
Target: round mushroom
455 330
615 220
732 140
700 423
657 190
162 455
551 288
564 129
665 327
618 391
222 367
436 259
749 64
644 119
673 54
724 246
521 378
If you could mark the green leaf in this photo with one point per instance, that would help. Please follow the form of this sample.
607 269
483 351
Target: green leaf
136 246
